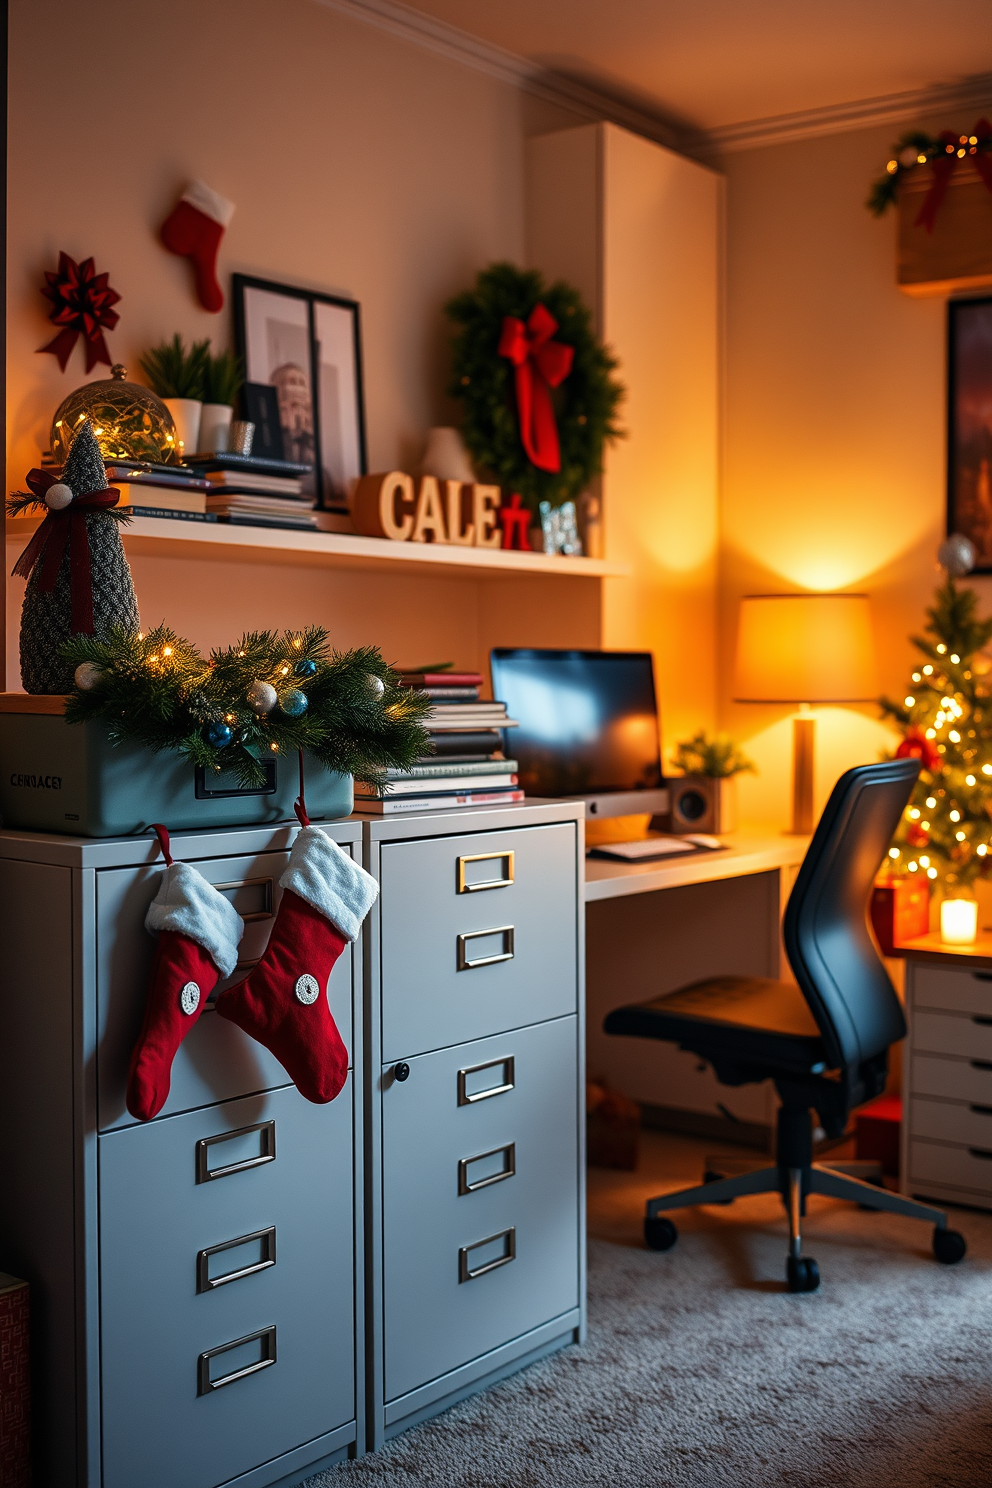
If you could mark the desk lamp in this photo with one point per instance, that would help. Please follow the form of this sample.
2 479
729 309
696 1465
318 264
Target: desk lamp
805 649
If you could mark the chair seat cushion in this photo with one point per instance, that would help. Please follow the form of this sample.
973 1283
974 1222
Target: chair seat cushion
750 1021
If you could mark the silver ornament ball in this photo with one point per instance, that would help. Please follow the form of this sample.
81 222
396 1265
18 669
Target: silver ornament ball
908 156
58 497
261 697
377 688
87 675
956 555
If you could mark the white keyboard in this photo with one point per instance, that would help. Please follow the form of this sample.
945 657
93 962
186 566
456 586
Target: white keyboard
656 847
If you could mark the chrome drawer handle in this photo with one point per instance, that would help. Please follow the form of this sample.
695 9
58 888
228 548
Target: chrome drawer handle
467 1185
468 1097
464 887
467 1272
264 912
266 1151
265 1336
267 1257
465 963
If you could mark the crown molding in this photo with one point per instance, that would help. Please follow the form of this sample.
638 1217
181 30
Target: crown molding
590 102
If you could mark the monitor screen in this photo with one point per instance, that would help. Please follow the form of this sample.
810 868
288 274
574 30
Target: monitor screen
588 719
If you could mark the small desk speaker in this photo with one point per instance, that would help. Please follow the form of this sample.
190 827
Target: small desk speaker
701 803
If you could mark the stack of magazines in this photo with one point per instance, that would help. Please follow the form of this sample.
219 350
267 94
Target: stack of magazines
467 767
255 492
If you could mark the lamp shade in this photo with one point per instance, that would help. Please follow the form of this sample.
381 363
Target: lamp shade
805 648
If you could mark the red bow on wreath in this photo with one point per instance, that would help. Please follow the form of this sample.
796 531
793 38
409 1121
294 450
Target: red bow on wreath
540 364
945 165
48 545
81 302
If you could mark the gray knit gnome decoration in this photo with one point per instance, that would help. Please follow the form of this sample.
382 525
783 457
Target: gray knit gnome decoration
78 577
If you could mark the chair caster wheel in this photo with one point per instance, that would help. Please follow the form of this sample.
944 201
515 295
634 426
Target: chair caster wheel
949 1247
710 1177
802 1275
659 1233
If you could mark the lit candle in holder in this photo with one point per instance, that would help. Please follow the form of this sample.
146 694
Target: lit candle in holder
959 921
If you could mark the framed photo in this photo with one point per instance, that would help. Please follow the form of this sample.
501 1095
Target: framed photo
969 425
307 346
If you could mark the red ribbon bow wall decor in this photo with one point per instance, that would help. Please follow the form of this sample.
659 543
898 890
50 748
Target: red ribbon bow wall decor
81 303
46 548
540 365
956 148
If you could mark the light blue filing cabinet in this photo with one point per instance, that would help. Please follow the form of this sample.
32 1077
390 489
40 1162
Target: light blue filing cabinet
197 1286
474 1102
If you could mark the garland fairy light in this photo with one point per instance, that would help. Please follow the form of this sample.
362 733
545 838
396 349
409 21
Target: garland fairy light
268 695
942 152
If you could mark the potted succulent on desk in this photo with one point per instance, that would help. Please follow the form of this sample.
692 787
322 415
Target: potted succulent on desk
177 376
222 379
704 799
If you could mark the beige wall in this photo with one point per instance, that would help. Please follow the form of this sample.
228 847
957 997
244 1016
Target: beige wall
834 443
360 165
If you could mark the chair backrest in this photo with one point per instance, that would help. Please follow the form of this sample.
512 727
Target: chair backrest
827 940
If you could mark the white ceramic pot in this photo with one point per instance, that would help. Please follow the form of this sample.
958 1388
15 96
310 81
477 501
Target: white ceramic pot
446 456
186 417
215 425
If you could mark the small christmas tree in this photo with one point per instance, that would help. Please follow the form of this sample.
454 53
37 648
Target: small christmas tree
946 719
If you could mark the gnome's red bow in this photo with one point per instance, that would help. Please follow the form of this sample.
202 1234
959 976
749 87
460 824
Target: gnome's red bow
541 364
46 548
944 166
81 302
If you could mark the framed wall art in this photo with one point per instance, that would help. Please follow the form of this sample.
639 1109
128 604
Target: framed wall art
969 425
307 346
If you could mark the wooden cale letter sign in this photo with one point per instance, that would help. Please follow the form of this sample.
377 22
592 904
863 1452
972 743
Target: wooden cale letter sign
390 506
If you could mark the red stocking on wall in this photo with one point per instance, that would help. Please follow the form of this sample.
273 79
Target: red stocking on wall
193 229
198 933
283 1002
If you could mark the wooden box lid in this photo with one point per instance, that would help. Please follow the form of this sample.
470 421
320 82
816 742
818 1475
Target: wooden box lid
958 253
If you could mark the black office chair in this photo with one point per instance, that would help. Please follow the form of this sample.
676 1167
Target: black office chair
825 1042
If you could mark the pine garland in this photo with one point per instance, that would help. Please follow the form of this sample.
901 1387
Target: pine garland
946 720
157 690
585 403
915 149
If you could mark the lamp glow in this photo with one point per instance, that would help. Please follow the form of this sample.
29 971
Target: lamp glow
959 921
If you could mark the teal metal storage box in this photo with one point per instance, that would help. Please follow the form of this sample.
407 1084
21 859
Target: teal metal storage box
60 778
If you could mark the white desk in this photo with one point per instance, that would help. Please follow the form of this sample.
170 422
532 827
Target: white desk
655 926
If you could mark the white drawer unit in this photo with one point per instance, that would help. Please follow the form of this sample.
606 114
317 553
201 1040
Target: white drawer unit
947 1080
200 1277
475 1103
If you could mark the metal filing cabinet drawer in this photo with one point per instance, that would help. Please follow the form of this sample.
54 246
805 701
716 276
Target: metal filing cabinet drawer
479 934
480 1190
167 1313
952 1121
216 1061
952 991
937 1163
953 1033
955 1079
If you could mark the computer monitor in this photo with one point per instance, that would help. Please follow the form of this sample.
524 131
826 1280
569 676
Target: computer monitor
588 726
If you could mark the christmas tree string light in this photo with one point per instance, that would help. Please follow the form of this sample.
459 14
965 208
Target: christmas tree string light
946 721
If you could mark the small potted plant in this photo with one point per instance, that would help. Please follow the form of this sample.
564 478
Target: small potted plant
711 764
176 375
222 379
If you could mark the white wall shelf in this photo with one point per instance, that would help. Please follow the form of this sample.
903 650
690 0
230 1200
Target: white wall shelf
177 538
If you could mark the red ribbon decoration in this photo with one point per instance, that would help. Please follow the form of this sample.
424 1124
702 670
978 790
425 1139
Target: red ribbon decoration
540 364
945 165
47 547
515 522
81 302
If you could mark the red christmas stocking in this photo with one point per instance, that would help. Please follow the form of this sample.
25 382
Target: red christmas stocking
198 933
283 1002
193 229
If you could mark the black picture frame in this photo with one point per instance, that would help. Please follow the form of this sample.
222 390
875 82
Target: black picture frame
969 424
314 340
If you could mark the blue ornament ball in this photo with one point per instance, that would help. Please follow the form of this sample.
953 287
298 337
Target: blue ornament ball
305 668
294 703
218 735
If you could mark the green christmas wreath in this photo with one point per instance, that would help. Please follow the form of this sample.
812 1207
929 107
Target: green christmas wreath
484 379
267 695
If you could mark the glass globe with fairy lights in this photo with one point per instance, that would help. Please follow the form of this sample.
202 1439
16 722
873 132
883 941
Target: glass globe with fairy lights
130 422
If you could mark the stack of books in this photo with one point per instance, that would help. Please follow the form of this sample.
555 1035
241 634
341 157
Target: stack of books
252 492
151 490
467 767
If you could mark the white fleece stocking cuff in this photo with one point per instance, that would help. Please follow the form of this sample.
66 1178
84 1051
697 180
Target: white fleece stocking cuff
209 202
190 906
326 877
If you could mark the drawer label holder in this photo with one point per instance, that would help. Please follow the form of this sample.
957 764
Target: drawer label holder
487 1176
265 1338
470 1090
266 1257
467 962
467 885
506 1239
266 1151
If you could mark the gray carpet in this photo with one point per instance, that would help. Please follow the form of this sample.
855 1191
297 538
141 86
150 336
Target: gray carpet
700 1370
